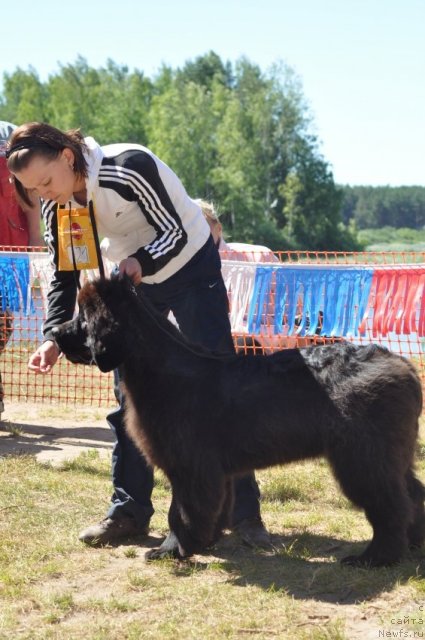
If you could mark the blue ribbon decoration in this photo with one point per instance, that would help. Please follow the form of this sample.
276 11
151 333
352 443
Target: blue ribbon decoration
260 295
15 284
338 296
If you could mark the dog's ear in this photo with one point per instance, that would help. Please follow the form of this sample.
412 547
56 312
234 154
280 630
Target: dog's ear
107 351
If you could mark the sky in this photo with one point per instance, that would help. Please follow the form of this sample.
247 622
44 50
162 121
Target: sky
361 62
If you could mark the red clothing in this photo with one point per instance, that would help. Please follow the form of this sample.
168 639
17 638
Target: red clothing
13 221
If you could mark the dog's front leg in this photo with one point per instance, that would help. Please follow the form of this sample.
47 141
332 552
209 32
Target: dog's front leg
199 510
170 547
198 513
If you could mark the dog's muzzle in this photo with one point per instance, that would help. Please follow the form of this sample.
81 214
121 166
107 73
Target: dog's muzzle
71 339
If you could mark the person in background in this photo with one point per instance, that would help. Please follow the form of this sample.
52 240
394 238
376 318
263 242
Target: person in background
20 219
19 227
156 234
233 250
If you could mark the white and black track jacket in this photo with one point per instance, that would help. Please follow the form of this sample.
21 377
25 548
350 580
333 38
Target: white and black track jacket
142 210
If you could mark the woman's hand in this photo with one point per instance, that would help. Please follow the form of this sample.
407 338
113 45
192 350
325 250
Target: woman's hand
43 360
131 267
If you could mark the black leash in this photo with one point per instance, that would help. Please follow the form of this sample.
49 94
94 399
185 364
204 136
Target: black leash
153 316
96 240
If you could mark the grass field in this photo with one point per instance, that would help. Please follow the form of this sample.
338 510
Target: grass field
52 587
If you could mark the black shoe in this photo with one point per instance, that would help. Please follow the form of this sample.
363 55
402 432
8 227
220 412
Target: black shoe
253 533
112 530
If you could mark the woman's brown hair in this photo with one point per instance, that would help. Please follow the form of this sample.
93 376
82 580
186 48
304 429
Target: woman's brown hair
41 139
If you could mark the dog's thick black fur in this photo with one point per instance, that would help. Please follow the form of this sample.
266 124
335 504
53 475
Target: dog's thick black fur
203 417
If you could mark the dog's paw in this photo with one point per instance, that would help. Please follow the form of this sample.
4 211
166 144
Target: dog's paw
170 548
365 561
159 554
353 561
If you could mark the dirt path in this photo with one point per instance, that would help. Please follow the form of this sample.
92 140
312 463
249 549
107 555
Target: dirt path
53 433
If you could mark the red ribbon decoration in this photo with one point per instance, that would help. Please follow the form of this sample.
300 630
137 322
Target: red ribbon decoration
396 302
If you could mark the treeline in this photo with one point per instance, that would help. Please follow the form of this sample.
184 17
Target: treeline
378 207
234 134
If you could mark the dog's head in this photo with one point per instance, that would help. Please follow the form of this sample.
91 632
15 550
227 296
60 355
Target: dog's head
96 335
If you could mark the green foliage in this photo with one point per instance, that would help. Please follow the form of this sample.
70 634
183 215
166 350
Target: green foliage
24 97
378 207
232 133
206 70
181 126
391 235
109 103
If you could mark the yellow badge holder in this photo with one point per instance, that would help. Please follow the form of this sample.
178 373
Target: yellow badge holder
78 240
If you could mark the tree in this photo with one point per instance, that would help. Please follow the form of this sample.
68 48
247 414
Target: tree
244 177
206 70
124 100
109 103
73 96
312 207
182 129
378 207
270 176
233 133
24 97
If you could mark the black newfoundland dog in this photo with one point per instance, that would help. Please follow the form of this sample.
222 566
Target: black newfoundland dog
203 417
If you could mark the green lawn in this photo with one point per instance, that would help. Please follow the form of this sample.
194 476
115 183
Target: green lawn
52 587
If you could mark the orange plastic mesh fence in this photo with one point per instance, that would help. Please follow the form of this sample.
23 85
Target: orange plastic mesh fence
393 316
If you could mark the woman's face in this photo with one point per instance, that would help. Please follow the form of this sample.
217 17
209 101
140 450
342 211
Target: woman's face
50 179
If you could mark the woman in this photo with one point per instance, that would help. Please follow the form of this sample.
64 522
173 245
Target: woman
156 235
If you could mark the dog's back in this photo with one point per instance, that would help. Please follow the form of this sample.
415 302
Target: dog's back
297 404
345 368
